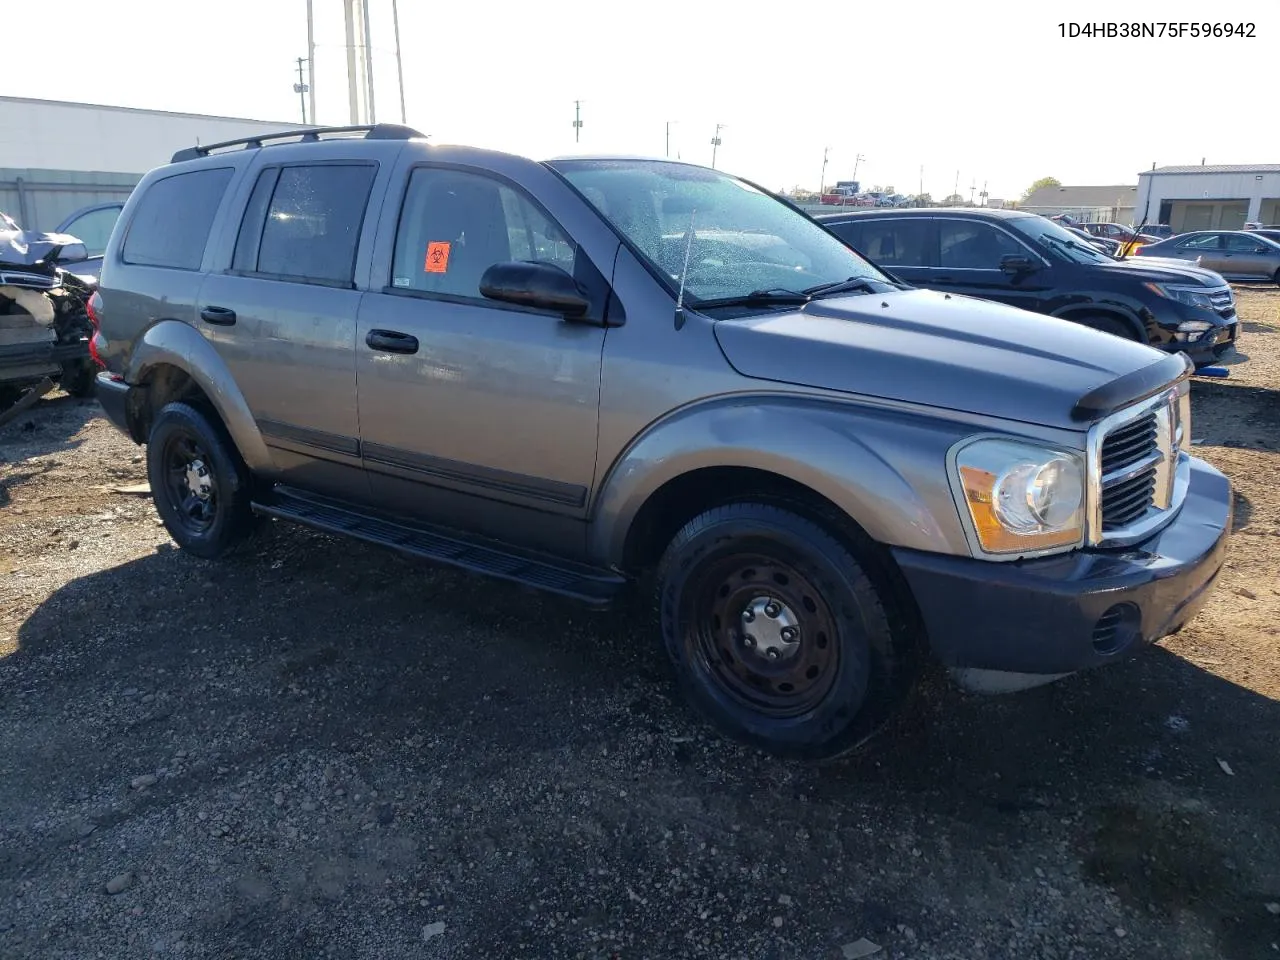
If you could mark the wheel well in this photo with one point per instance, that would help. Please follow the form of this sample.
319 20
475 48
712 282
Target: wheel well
681 499
1082 315
164 383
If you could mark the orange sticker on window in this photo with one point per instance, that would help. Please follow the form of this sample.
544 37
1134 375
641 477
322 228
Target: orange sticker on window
437 257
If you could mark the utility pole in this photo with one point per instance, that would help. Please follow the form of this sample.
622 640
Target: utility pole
577 119
301 88
368 60
311 61
984 194
822 180
856 159
395 21
921 193
715 144
972 187
955 191
669 123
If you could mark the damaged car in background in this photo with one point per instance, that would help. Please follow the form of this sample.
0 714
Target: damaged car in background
44 324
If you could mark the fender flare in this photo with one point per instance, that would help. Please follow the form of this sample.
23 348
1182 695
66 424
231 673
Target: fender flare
852 454
177 344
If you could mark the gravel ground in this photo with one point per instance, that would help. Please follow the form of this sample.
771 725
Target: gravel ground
321 749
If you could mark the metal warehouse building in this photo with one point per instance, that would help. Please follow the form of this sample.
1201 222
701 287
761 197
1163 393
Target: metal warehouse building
1210 197
56 157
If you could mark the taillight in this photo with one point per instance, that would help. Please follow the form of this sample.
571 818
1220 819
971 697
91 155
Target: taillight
93 307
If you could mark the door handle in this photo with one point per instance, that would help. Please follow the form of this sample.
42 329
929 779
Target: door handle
222 316
392 341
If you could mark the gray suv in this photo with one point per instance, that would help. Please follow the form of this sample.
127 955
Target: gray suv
588 374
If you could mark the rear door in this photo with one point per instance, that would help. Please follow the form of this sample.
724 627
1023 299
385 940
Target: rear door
1204 247
282 315
969 256
904 246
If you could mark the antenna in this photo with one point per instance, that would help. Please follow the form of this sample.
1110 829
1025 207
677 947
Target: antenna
684 272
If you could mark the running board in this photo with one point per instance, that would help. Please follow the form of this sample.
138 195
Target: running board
590 585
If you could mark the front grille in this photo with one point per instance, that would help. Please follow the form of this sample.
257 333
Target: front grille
1130 458
1223 301
33 281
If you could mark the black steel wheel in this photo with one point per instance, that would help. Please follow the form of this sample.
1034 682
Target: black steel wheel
776 630
198 481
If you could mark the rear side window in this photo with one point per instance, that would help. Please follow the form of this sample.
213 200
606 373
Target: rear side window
1206 241
455 225
303 223
850 233
897 243
171 226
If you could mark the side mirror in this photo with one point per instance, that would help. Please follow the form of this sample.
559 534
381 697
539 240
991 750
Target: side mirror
533 284
1015 264
72 253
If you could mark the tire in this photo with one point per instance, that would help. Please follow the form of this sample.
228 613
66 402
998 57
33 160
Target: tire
830 683
200 484
78 378
1111 325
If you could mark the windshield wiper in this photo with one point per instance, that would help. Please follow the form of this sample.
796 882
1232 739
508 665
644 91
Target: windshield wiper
774 295
866 284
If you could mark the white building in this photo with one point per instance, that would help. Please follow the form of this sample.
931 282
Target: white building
56 156
1106 204
1210 197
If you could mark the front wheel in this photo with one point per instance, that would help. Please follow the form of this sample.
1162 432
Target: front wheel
776 631
200 485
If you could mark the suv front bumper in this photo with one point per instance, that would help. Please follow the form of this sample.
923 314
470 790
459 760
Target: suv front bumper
1043 618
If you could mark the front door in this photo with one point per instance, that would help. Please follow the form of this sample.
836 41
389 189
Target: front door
475 413
1247 256
969 256
283 318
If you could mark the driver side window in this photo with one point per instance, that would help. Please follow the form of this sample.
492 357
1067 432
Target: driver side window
455 225
972 245
1208 241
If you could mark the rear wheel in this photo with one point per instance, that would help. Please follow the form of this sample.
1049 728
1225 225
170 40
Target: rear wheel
200 485
776 631
78 378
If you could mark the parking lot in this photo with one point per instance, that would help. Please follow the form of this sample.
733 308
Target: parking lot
322 749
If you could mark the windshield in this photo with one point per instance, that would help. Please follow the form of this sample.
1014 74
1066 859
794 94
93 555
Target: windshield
736 239
1055 241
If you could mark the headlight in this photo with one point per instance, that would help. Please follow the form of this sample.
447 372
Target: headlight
1191 296
1022 498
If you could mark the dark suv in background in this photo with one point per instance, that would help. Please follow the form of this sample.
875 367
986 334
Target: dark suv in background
1030 262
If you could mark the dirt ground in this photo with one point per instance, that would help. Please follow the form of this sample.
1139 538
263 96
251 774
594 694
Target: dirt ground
319 749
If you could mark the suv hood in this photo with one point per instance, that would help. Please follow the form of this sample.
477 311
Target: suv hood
1164 270
943 350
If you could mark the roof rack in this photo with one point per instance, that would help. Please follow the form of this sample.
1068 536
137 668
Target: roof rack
376 131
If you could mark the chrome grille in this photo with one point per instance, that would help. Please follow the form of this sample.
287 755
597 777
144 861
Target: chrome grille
34 281
1223 300
1137 469
1130 454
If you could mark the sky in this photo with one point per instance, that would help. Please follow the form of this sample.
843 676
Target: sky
982 92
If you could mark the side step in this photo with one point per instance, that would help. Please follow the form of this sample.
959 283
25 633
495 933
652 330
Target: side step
592 586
